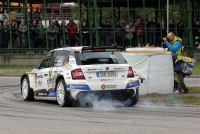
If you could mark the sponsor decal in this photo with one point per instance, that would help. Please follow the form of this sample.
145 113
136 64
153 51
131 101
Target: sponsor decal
51 82
39 76
78 86
68 77
50 72
133 80
45 74
92 69
108 86
103 86
95 69
42 94
119 68
35 81
111 86
123 76
31 75
68 66
105 79
132 84
40 83
67 74
52 94
107 68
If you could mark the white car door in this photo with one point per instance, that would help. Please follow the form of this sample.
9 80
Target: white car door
44 80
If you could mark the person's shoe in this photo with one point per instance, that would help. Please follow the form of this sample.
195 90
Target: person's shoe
174 90
177 92
185 91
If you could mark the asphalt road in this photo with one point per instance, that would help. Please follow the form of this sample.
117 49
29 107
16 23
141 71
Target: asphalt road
44 117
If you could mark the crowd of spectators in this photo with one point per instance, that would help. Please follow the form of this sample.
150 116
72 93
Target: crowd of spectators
33 34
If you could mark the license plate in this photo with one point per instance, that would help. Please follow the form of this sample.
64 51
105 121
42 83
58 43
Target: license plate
106 74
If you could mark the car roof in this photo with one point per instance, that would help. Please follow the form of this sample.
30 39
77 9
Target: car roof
82 48
78 48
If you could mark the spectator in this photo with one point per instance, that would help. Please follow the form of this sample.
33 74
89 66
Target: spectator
197 42
64 31
140 31
33 34
164 29
5 35
14 33
85 32
135 37
59 32
41 34
119 28
179 85
171 26
72 28
198 47
152 31
52 33
196 29
158 34
23 34
106 28
180 29
29 22
129 34
174 44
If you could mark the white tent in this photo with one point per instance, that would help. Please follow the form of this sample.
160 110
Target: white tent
156 69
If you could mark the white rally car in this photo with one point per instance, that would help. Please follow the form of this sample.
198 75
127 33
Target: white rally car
82 74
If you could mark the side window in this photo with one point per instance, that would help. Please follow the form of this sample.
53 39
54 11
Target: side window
61 58
47 60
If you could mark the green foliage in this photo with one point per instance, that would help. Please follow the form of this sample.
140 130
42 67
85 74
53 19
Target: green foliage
196 70
145 14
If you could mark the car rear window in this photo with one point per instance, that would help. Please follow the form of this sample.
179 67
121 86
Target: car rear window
88 58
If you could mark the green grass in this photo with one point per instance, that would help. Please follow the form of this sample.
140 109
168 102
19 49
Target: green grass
14 70
196 70
194 90
15 67
192 98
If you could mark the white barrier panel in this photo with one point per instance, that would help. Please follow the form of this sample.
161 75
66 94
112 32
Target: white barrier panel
157 70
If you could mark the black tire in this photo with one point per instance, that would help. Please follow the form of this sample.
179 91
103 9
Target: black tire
129 102
61 90
26 91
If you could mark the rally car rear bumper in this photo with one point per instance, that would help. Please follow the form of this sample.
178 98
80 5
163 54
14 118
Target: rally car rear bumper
107 94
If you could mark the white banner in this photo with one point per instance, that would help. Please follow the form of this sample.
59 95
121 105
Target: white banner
157 70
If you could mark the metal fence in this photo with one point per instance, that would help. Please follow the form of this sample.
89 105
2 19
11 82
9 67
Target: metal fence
39 26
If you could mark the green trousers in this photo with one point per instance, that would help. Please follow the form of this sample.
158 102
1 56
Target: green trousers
181 84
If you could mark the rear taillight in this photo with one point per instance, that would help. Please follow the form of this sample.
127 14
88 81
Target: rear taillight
77 74
130 72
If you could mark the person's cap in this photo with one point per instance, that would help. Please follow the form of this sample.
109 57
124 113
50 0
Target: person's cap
23 21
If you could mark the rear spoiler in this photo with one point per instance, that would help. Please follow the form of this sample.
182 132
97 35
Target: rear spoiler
112 48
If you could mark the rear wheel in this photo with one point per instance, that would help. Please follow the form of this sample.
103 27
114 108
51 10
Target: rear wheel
26 92
131 101
62 95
